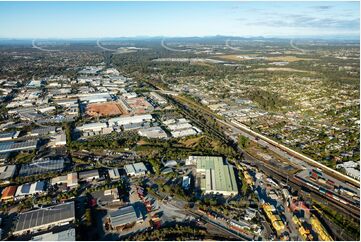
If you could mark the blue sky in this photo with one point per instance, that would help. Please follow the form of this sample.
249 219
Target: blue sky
125 19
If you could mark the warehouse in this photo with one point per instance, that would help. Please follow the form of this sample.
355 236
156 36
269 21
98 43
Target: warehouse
95 98
153 133
71 180
130 119
30 189
42 166
214 176
44 218
43 131
19 146
124 216
114 174
65 235
9 135
136 169
92 127
159 99
89 175
7 172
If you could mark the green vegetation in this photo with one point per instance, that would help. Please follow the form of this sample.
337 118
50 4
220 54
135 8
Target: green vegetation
345 223
243 141
24 157
178 232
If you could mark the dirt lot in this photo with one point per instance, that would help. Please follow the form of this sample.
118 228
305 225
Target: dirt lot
104 109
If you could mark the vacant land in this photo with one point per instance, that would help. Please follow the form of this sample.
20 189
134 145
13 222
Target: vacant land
104 109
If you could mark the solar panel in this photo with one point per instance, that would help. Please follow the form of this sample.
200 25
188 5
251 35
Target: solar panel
45 216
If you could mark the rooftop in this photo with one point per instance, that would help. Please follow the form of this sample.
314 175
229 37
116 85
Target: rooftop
66 235
219 177
124 215
44 217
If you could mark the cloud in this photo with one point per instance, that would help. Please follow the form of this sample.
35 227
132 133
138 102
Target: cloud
307 21
325 7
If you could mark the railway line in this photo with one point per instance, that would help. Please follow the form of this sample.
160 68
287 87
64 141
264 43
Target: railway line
220 227
300 186
298 155
348 209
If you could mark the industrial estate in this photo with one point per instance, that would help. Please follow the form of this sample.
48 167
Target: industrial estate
214 138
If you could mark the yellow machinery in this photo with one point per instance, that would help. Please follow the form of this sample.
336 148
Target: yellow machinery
319 229
276 221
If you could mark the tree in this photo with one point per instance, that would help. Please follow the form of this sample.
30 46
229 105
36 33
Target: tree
243 141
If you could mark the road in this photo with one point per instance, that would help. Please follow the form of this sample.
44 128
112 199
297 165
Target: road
289 154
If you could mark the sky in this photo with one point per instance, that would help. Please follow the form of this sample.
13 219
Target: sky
129 19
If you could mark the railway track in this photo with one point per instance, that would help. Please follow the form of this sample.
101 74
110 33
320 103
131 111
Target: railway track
220 227
349 210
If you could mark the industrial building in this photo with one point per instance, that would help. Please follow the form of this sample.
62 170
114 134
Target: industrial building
7 172
181 128
71 180
19 146
30 189
158 98
44 218
114 174
95 97
65 235
130 119
214 175
43 131
9 135
58 140
89 175
8 193
153 133
42 166
92 127
125 216
186 181
136 169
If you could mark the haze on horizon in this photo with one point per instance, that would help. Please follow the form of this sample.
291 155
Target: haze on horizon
128 19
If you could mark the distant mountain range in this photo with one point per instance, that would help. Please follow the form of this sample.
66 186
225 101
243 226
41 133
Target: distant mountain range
217 38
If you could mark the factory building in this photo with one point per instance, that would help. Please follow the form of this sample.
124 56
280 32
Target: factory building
130 120
153 133
29 189
44 218
19 146
65 235
9 135
136 169
42 166
89 175
214 175
124 216
71 180
7 172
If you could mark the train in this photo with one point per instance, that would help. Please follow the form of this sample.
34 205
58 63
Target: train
329 194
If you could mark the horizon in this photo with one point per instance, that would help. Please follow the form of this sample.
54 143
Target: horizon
95 20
